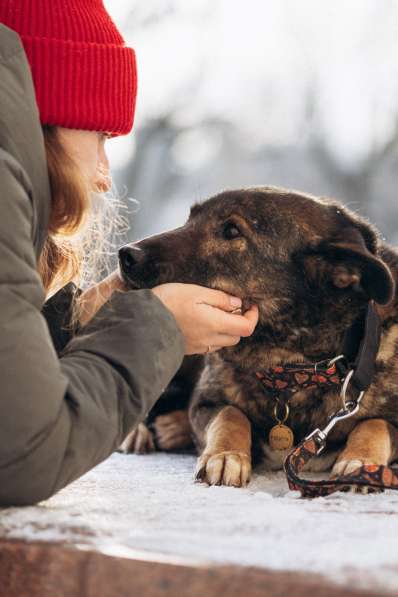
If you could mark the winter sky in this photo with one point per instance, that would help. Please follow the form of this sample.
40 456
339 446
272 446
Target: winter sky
258 62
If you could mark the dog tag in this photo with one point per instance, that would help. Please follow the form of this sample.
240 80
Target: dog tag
281 437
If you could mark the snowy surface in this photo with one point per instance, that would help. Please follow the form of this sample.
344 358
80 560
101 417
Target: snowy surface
134 504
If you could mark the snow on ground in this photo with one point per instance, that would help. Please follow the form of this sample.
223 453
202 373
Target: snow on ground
150 504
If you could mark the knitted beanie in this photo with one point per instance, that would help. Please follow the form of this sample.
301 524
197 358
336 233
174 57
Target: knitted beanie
84 75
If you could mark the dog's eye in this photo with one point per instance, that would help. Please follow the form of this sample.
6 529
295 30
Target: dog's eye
231 231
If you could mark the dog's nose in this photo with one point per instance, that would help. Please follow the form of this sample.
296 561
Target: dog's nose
129 257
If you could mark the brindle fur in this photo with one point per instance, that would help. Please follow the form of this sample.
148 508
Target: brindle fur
311 266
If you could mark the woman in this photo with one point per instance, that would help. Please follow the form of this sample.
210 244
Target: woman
61 414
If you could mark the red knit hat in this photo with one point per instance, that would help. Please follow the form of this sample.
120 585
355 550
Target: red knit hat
84 75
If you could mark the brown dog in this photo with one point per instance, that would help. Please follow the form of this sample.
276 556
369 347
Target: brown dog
311 266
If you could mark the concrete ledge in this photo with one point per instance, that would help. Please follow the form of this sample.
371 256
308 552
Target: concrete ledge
139 522
51 570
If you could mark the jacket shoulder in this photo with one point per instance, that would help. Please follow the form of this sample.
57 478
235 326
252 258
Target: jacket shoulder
21 135
10 44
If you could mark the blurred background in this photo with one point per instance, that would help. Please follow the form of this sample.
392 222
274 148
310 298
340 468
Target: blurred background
231 94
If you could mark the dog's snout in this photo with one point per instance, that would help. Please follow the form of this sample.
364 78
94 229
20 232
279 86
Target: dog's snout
129 257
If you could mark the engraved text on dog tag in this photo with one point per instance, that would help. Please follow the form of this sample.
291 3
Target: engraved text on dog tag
281 437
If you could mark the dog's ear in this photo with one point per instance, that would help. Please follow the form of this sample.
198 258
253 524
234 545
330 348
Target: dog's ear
347 262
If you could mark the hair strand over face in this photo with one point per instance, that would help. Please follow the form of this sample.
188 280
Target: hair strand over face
83 222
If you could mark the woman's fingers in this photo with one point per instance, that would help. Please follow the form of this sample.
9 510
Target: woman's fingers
218 343
218 299
205 316
237 325
223 340
251 315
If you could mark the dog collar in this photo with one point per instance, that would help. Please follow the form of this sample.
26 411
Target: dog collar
357 358
292 377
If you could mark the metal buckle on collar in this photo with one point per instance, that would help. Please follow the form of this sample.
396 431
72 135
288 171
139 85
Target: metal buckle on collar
335 359
329 363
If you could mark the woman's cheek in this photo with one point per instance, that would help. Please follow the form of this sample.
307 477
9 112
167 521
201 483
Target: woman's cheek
83 148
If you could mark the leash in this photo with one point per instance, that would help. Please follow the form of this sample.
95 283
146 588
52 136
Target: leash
369 475
360 354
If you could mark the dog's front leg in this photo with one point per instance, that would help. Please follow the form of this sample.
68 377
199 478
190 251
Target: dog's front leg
226 458
374 441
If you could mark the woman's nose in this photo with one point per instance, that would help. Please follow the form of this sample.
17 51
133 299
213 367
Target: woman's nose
102 180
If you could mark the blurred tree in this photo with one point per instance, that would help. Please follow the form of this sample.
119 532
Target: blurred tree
303 96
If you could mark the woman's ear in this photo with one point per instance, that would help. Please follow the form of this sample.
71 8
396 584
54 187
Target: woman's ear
347 262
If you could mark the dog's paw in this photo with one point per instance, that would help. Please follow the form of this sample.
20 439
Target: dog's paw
225 468
173 431
138 441
347 467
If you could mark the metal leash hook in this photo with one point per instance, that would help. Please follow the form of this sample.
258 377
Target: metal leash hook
349 409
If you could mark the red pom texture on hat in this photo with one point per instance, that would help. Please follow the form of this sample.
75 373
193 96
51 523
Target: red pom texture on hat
84 75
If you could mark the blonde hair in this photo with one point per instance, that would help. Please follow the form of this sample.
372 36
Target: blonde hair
83 223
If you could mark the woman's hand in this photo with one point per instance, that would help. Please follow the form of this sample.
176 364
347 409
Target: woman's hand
205 316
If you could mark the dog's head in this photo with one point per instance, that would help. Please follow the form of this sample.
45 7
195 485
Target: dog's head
299 258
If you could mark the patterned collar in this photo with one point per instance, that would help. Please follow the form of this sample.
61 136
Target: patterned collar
291 377
359 351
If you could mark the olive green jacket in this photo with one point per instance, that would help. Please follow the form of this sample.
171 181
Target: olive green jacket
59 417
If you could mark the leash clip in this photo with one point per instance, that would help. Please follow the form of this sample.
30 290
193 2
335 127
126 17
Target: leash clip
349 409
353 405
319 437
